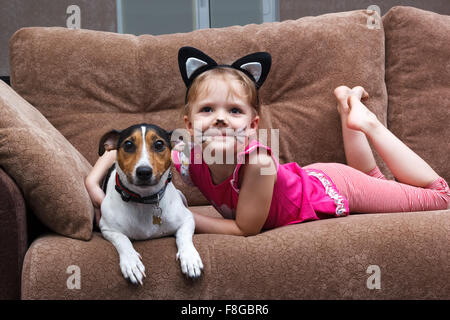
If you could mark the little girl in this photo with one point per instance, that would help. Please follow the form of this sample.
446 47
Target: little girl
247 185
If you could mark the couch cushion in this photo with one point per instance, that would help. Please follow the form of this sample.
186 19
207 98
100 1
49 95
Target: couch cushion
417 79
13 236
87 82
326 259
47 168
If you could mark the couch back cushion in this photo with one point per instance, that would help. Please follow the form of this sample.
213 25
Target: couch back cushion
88 82
48 169
418 79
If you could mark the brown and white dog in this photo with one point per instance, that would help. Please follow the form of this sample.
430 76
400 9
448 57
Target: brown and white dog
141 201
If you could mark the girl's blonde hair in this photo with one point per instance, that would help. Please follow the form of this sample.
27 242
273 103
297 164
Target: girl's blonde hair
200 86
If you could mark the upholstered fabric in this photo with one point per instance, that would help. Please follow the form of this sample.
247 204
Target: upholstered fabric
326 259
13 237
418 79
88 82
46 167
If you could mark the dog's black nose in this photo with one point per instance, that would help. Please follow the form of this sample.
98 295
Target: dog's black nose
144 172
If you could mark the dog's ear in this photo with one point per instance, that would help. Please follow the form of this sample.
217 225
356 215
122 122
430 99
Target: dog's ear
192 61
108 142
256 64
169 135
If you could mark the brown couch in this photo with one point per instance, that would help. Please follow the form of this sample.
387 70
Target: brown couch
88 82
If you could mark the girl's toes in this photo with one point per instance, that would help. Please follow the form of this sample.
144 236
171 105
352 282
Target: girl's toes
360 92
342 92
365 95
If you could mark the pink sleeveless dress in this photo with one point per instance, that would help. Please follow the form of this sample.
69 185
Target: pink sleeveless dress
299 194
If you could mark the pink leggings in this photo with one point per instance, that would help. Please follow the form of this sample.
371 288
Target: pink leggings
371 192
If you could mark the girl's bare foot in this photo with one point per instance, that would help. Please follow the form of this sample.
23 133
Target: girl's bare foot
357 149
354 114
359 117
342 94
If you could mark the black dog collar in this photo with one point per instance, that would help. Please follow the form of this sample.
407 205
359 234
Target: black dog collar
128 195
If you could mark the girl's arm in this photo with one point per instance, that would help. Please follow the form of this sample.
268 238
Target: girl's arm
94 178
253 206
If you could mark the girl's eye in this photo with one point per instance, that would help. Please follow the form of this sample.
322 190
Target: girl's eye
206 109
235 110
159 145
129 147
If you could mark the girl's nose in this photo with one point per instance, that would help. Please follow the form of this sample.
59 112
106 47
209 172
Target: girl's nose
220 119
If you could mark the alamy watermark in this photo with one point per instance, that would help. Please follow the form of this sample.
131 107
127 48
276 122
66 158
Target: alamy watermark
74 20
374 18
220 146
374 281
74 280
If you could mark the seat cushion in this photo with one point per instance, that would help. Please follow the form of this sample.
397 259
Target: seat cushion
406 254
417 79
89 82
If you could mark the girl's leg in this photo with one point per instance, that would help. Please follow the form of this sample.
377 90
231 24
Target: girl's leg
366 194
404 163
357 149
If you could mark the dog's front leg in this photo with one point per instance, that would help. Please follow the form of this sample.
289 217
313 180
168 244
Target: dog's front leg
191 263
130 260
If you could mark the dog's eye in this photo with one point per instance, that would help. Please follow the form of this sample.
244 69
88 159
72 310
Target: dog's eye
129 147
159 145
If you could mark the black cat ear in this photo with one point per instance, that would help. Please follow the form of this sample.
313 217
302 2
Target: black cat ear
192 62
256 64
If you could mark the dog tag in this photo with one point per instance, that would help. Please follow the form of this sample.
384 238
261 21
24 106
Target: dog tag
157 220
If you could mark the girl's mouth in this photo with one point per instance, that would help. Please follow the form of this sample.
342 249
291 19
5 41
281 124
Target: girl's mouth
223 134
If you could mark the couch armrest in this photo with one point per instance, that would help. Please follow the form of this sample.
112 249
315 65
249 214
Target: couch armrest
13 236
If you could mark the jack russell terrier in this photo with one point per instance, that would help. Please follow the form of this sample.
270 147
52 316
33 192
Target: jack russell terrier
141 202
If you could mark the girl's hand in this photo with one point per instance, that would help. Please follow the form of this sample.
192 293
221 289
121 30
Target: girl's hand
96 194
94 179
98 215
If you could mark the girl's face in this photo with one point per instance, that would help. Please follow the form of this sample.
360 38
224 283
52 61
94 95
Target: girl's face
221 116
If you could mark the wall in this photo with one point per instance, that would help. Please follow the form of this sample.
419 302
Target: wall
15 14
102 15
294 9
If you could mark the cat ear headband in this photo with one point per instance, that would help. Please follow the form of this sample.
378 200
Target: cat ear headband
193 62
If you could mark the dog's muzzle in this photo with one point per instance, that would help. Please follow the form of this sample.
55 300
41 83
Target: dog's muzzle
144 174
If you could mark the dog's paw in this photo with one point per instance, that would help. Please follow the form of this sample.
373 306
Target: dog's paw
191 263
132 267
